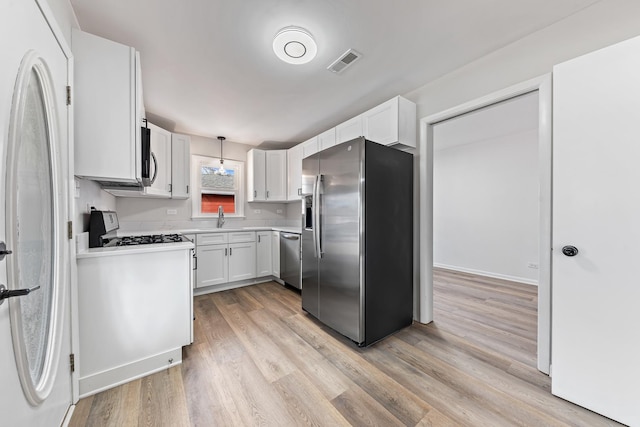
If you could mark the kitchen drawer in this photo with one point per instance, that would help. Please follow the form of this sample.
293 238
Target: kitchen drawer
242 236
212 238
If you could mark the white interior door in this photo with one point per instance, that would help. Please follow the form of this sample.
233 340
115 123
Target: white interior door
35 338
596 209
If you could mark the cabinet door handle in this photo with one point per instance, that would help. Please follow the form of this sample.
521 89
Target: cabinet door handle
187 189
267 194
259 238
230 251
225 251
255 193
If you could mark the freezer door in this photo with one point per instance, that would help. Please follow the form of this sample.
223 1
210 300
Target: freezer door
340 291
310 279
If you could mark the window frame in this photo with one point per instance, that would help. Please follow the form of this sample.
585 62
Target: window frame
197 162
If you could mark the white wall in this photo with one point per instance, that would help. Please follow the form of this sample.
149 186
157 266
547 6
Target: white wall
485 206
602 24
151 214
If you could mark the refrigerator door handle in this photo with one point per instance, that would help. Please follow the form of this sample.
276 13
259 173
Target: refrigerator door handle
318 226
315 200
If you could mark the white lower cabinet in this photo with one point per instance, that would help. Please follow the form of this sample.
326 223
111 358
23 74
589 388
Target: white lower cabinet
242 261
263 254
213 267
225 257
275 253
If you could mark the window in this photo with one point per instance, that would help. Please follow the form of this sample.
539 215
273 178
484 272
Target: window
215 186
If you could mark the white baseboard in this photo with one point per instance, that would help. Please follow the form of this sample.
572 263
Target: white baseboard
95 383
524 280
67 417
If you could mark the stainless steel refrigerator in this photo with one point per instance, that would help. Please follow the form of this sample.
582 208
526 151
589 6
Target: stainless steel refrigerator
357 239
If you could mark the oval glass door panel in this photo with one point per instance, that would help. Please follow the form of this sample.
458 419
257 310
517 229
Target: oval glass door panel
34 209
31 229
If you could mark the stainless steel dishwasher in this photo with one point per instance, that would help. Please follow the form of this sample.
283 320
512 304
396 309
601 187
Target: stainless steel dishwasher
290 259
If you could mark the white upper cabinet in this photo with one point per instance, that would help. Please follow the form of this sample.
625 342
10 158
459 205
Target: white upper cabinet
107 97
309 147
327 139
294 172
180 166
160 170
393 122
349 130
266 175
276 175
256 175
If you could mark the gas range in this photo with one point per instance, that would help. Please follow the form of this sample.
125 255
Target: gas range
103 225
145 240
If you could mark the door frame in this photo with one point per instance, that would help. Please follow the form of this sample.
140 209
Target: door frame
543 85
49 17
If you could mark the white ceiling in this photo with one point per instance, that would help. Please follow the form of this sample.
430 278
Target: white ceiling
208 67
509 117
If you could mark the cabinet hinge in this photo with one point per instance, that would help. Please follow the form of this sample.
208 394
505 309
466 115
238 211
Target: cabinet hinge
70 230
72 362
68 95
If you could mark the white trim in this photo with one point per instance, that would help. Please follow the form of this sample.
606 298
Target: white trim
113 377
482 273
44 7
541 84
49 16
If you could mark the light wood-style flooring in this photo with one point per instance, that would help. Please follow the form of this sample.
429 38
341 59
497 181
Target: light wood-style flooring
258 359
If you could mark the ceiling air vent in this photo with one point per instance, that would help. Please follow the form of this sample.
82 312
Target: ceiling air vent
345 60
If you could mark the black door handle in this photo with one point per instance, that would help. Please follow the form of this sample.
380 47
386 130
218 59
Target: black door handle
4 251
6 293
570 250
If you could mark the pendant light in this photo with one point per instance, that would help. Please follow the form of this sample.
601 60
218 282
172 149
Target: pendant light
221 170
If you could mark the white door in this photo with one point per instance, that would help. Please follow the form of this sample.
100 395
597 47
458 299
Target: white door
596 209
35 338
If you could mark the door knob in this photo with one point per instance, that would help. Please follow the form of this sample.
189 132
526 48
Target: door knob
570 250
4 251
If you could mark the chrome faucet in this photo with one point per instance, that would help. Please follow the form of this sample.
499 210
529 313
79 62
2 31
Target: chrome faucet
220 216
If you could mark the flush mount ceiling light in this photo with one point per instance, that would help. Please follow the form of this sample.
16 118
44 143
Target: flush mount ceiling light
294 45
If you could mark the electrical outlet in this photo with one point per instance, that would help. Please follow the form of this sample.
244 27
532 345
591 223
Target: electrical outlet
88 208
257 211
532 265
278 211
172 211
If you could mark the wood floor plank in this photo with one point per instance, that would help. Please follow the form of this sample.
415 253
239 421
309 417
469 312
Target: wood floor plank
329 380
306 404
81 412
163 401
360 409
259 359
267 356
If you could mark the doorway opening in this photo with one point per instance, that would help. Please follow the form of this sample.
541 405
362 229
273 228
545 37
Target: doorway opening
542 88
486 226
